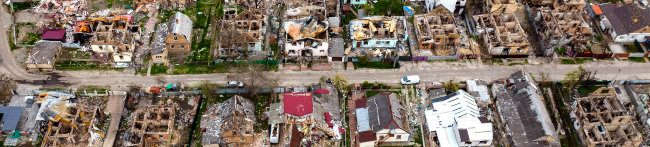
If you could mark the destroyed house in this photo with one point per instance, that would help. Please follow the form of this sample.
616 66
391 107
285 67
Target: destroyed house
241 33
246 4
174 4
151 126
626 23
77 125
384 118
159 51
298 103
502 34
374 32
43 56
437 34
306 38
601 120
523 111
306 11
577 6
229 123
563 28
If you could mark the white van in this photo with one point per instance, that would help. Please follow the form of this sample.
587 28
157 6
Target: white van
412 79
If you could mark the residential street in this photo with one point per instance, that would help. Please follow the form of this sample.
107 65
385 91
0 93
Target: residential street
428 71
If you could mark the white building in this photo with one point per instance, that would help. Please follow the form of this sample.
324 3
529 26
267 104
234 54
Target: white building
455 121
455 6
478 88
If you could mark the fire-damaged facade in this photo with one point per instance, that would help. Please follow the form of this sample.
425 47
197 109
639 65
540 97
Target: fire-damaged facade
437 32
306 38
151 126
602 120
375 36
502 34
241 33
560 28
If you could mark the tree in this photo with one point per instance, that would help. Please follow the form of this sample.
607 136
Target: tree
6 85
577 77
340 81
254 77
450 86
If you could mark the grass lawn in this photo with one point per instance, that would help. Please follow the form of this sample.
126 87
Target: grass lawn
158 69
375 65
82 65
636 59
568 61
200 69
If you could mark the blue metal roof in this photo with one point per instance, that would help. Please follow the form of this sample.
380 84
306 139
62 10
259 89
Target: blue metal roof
10 116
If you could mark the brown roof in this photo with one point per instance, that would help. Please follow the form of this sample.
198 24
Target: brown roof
626 19
366 136
483 119
464 136
360 103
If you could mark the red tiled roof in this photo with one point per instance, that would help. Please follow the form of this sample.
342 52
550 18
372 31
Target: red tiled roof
360 103
53 34
328 119
366 136
597 9
322 91
298 103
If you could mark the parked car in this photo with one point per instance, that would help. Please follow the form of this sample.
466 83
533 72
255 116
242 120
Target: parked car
233 84
412 79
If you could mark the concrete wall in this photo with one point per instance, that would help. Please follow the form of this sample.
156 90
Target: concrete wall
375 43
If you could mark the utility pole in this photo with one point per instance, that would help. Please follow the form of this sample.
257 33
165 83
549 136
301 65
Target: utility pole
612 82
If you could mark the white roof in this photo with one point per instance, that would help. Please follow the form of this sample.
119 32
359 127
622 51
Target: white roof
460 104
448 4
362 119
482 90
182 24
475 129
447 137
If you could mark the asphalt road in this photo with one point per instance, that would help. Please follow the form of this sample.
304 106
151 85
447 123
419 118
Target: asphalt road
429 72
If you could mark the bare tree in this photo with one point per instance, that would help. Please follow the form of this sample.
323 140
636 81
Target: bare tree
577 77
254 77
6 85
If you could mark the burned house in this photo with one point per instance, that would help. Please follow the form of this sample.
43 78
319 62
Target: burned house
601 120
437 34
246 4
502 34
306 38
174 4
523 112
563 28
68 122
229 123
569 5
241 33
151 126
375 36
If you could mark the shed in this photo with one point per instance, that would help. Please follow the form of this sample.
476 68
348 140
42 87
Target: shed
54 35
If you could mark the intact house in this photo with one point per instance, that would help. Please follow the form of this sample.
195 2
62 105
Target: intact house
172 39
502 34
306 38
454 121
382 121
561 28
229 123
241 33
523 112
602 120
375 36
625 24
43 56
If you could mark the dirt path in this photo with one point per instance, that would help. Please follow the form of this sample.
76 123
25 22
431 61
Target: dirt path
115 107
